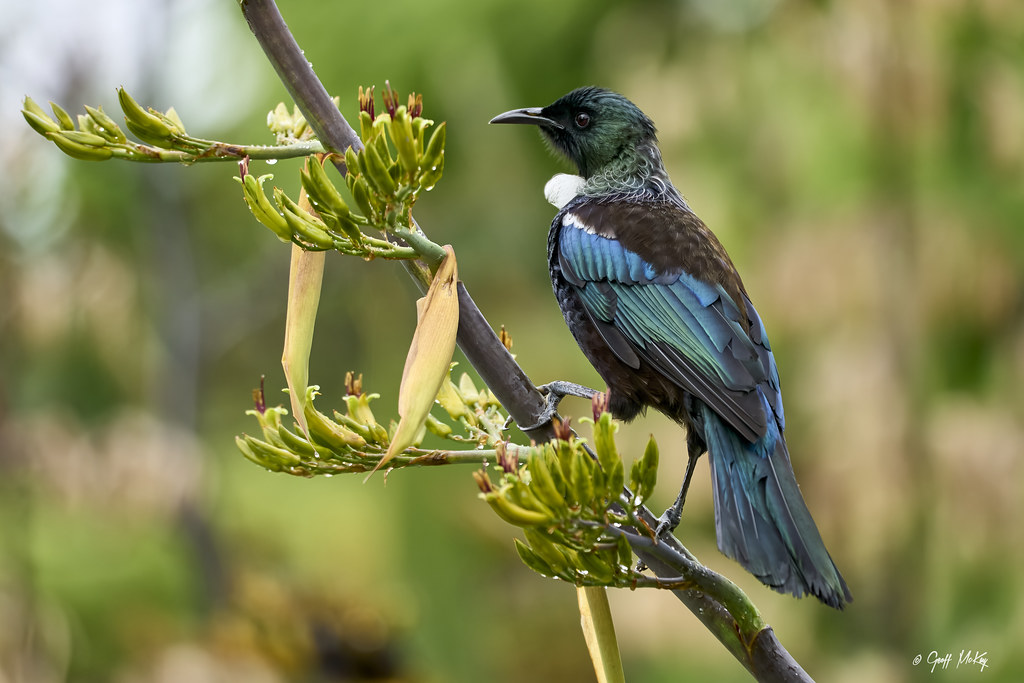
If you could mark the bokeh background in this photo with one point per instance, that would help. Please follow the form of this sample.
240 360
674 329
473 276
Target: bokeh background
862 161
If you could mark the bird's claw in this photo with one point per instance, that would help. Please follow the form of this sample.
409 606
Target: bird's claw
553 393
668 522
546 415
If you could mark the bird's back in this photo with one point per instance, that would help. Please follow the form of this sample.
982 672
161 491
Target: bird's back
656 305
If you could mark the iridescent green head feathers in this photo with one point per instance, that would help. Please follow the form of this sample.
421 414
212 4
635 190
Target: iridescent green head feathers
595 128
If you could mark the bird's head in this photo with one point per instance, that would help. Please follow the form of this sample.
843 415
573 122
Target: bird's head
591 126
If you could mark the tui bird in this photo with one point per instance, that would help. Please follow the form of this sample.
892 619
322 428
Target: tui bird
657 307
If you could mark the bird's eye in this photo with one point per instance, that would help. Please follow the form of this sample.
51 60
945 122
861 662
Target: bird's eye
582 120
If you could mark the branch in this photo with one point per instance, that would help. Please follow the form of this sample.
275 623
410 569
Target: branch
763 655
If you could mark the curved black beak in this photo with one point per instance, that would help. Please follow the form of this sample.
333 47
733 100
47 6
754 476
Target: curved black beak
531 115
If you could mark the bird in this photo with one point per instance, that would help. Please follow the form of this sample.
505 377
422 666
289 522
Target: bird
657 306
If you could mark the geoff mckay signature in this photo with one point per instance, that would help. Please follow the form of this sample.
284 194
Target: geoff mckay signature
966 658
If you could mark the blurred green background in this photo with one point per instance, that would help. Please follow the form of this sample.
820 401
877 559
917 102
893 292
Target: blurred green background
862 161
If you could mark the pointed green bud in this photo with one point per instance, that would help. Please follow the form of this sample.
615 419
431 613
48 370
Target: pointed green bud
40 123
380 125
86 124
513 513
145 125
625 553
542 482
635 476
404 138
604 442
248 452
63 118
532 560
261 208
451 400
430 176
365 127
565 454
351 163
343 225
419 129
523 495
359 410
362 430
172 119
468 389
580 481
323 430
432 161
437 427
321 190
433 155
105 125
542 545
303 224
596 567
648 470
33 107
597 476
381 143
555 468
616 480
296 444
361 193
77 150
84 137
272 457
272 435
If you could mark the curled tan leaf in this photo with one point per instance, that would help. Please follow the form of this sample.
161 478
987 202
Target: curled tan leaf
304 280
430 354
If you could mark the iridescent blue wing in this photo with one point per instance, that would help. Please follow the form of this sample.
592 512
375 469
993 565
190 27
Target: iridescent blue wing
650 306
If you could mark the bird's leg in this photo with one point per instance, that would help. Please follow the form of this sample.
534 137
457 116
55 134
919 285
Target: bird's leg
554 393
668 522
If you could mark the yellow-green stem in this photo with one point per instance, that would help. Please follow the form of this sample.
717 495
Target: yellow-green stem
599 632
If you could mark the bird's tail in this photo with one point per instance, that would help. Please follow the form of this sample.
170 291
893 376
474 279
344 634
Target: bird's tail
761 519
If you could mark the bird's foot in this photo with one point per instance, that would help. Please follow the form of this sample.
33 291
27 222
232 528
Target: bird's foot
669 520
554 392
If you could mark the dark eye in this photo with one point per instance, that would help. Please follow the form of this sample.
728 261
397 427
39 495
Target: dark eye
582 119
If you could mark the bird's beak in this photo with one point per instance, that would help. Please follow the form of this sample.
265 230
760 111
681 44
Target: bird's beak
531 115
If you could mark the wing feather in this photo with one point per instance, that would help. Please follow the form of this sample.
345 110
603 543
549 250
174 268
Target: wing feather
689 330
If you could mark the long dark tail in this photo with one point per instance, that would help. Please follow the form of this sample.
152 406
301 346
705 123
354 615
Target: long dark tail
761 519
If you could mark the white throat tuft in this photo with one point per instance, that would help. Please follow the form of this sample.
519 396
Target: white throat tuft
561 189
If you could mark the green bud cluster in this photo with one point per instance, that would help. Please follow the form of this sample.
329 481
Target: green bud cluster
349 441
397 161
88 142
384 178
95 136
565 500
354 441
330 225
477 411
149 125
98 137
287 126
